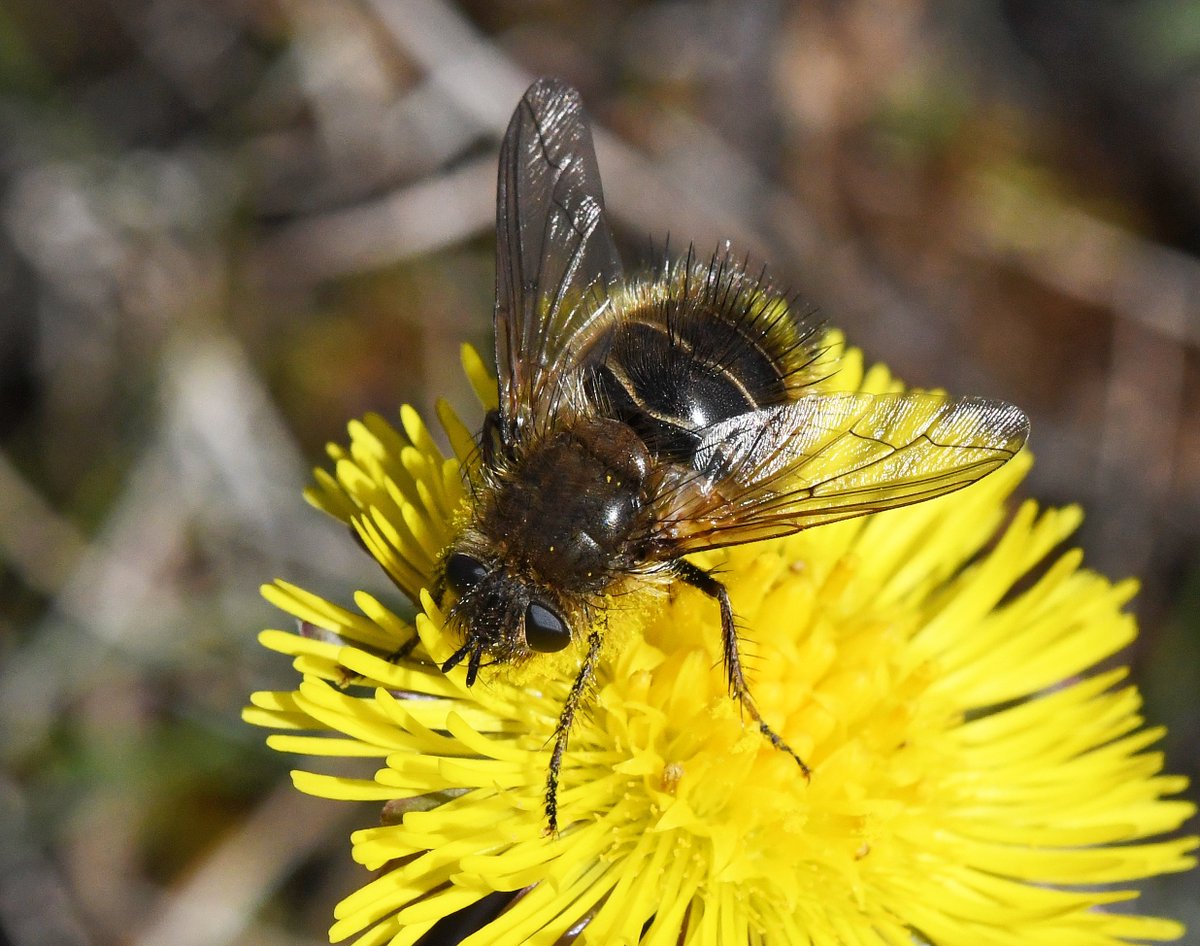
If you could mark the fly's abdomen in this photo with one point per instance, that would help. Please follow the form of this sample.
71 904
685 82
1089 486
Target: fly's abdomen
696 346
653 383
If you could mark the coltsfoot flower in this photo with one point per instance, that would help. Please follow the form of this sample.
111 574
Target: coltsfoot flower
975 779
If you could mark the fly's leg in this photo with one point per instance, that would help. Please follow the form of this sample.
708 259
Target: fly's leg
472 652
400 653
578 690
702 581
491 440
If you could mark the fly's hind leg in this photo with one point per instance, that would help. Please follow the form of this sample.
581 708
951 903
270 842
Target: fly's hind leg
702 581
578 691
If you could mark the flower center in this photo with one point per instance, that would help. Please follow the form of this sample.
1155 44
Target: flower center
830 670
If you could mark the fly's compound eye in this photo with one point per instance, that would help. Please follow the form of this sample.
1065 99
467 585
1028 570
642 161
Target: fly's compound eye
464 572
545 631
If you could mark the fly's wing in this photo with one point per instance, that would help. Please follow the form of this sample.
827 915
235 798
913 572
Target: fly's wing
827 457
555 255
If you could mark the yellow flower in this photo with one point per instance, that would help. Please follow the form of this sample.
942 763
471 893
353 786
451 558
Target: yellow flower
974 779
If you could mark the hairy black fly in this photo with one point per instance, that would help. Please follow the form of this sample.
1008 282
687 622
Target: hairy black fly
644 419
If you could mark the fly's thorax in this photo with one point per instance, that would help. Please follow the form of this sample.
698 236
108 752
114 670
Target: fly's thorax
571 511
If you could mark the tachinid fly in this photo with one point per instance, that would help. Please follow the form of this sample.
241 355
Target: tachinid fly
644 419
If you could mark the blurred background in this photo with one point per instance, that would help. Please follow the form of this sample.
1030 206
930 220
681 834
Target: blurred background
226 228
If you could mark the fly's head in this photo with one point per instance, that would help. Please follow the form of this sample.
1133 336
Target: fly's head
504 616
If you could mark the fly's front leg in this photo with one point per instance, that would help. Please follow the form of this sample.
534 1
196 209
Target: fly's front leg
702 581
403 652
578 690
